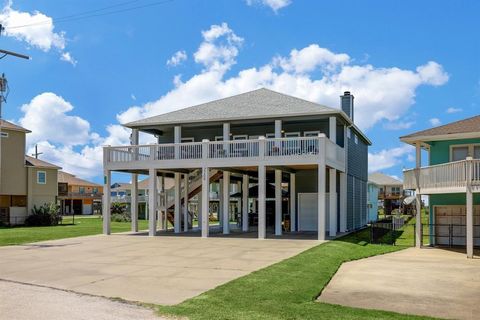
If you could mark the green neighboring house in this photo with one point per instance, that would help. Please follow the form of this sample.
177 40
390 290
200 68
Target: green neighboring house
451 180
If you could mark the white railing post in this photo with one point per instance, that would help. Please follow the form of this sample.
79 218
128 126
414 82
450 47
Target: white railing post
205 155
261 147
152 152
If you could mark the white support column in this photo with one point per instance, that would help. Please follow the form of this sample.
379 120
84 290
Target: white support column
321 188
343 202
205 201
261 202
177 138
469 204
106 201
333 202
293 203
278 202
177 209
185 202
418 218
152 203
278 128
226 136
226 202
220 203
134 203
165 203
332 125
245 203
199 212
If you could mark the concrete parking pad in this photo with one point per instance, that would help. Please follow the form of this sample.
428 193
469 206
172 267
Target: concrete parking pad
431 282
161 270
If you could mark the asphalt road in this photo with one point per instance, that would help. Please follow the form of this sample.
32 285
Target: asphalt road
27 302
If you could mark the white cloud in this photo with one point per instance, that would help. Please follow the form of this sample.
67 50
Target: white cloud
67 57
177 58
435 122
36 29
313 73
388 158
65 139
399 125
275 5
310 58
454 110
219 48
47 113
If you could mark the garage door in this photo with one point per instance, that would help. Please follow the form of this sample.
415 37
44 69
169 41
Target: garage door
308 212
450 223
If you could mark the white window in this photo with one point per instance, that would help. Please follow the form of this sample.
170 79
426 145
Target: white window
356 138
270 135
311 133
459 153
253 137
4 135
349 133
191 139
291 134
41 177
218 138
476 152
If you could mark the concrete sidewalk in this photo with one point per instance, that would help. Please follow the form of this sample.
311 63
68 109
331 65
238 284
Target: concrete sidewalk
161 270
431 282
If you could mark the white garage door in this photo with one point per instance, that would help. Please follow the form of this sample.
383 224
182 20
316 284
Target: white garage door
308 211
450 222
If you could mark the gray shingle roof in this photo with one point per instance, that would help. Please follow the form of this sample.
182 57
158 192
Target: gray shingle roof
469 125
33 162
383 179
261 103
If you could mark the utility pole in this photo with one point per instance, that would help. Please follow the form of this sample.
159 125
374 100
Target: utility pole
4 93
36 154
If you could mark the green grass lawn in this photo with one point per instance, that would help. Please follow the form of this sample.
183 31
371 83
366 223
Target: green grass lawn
288 289
84 226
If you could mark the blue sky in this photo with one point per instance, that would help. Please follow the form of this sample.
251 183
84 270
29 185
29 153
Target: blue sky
410 64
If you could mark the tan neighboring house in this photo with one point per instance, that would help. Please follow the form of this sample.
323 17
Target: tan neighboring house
390 192
25 181
77 195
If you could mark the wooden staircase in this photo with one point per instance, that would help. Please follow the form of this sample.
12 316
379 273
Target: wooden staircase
195 186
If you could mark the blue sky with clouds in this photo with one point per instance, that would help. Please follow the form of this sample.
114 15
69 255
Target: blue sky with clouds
410 65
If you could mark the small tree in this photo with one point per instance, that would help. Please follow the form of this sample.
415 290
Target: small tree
47 214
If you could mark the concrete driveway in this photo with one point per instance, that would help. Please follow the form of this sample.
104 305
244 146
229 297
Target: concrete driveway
432 282
161 270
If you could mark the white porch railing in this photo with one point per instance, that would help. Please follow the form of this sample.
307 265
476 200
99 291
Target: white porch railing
210 150
451 175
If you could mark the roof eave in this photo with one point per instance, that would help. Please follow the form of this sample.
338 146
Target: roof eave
440 137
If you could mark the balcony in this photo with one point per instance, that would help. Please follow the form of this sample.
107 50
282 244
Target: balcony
449 177
277 151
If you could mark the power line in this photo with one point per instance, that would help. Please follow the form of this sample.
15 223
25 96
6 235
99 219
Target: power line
95 13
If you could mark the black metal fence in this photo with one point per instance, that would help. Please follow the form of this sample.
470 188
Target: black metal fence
449 235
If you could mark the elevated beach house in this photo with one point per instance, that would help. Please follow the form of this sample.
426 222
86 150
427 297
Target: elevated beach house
452 181
311 157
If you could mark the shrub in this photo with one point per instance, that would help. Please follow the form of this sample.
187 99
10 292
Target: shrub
120 217
45 215
119 212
